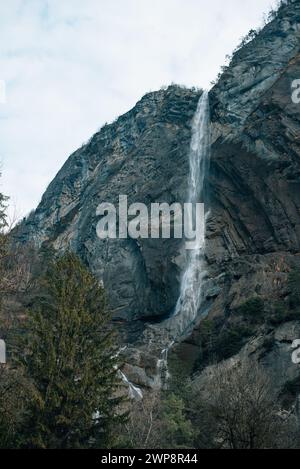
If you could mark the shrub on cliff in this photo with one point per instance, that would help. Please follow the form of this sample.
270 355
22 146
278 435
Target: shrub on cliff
252 310
219 341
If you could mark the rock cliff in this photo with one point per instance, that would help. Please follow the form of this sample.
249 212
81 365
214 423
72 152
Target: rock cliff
253 231
142 155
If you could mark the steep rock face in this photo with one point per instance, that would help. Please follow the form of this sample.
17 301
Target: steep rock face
142 155
253 233
255 68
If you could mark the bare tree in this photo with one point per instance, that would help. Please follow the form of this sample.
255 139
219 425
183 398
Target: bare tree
236 407
143 425
159 421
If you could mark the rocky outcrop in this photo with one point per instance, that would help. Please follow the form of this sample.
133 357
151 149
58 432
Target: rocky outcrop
255 68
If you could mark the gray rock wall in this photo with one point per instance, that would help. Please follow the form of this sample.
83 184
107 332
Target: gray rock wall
253 234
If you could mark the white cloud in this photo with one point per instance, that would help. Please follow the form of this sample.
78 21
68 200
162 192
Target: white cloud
70 66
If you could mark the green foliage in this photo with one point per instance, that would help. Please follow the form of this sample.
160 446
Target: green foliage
180 372
231 340
15 393
252 310
159 421
14 389
177 428
281 312
218 341
68 355
278 314
228 341
208 334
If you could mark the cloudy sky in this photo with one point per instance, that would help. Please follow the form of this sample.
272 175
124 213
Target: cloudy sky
72 65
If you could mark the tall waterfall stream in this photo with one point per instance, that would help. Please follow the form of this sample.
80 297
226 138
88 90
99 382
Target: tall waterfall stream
191 287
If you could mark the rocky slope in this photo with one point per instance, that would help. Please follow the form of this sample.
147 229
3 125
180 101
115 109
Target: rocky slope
253 233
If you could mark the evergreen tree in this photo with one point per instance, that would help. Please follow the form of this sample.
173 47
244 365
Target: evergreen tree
69 355
15 394
177 428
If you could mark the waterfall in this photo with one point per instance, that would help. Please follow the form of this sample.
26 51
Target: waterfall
199 155
191 287
162 366
133 391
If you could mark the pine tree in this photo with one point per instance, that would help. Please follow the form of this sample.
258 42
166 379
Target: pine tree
69 355
176 428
